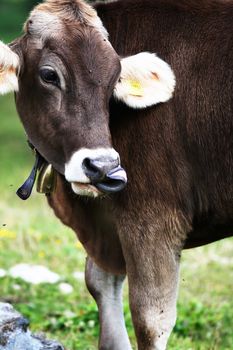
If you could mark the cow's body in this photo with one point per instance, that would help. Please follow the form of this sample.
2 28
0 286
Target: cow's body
179 156
191 136
179 160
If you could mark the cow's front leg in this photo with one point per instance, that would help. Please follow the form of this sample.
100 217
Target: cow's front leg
107 292
152 269
153 294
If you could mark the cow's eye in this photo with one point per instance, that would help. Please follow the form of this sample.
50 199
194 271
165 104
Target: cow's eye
49 76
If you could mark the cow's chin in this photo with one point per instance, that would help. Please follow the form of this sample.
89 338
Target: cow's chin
86 190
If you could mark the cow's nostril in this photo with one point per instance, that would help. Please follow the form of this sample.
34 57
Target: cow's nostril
93 170
106 174
97 169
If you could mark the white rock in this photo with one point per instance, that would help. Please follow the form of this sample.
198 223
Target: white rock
15 334
65 288
2 273
69 314
78 275
91 323
34 274
16 287
222 260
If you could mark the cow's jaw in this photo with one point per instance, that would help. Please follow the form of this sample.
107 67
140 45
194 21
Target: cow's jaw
85 190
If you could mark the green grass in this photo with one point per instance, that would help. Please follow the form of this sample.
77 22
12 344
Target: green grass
29 232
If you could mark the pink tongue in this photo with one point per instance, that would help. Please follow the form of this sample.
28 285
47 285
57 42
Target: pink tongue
115 181
117 174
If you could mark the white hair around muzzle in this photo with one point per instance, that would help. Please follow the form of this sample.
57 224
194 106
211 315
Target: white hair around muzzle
74 171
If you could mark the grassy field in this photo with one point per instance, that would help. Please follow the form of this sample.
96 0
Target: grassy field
30 233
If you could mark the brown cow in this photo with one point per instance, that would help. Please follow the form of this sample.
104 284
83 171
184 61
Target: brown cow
178 155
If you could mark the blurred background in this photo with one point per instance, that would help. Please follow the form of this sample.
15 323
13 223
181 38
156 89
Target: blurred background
31 235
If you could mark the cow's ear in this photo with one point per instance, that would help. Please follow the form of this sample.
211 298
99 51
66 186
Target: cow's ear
9 66
145 80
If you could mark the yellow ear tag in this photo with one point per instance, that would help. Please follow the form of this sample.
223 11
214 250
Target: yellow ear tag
135 88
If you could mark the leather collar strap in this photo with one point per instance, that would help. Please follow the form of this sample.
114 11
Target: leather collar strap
25 190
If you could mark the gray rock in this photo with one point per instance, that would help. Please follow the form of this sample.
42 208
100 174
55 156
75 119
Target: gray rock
15 335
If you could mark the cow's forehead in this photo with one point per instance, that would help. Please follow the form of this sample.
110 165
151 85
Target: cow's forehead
48 18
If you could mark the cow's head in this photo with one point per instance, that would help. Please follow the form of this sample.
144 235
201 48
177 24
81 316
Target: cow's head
64 70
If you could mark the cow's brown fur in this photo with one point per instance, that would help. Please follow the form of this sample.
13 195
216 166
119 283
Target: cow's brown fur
192 134
179 145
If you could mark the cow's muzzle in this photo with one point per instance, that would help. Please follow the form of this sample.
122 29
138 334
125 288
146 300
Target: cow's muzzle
105 174
93 172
